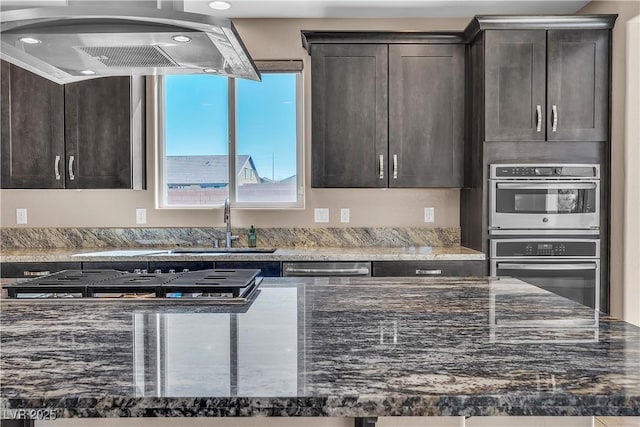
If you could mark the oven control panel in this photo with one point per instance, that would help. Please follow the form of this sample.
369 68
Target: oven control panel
544 248
544 171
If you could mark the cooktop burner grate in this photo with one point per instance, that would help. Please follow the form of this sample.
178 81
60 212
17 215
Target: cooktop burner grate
229 286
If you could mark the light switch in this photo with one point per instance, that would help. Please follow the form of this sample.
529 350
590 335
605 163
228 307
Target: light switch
321 214
21 216
429 214
141 216
344 215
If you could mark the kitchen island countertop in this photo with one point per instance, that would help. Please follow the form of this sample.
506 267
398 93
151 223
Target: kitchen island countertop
414 253
339 347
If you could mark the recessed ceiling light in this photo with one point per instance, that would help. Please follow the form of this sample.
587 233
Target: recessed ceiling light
210 70
181 38
219 5
88 72
30 40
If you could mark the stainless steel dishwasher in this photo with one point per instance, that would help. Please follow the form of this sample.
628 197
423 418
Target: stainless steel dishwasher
326 269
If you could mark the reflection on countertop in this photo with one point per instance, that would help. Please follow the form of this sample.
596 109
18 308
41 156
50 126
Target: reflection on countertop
325 347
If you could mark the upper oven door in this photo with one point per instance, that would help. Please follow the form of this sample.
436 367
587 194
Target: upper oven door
541 204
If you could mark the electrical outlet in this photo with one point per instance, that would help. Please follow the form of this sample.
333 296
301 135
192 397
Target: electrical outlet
321 214
141 216
344 215
429 214
21 216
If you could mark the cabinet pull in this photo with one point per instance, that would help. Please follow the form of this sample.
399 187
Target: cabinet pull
428 272
56 168
554 113
538 118
72 177
381 166
395 166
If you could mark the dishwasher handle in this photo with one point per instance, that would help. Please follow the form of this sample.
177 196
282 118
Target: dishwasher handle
327 271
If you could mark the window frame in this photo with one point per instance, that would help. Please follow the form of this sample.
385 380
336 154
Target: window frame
265 67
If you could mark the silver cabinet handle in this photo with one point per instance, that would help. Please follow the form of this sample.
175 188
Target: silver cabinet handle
554 113
56 168
546 267
538 118
381 166
329 271
395 166
428 272
72 177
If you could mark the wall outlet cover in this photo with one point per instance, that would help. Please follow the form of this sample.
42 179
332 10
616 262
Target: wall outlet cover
321 214
429 214
344 215
141 216
21 216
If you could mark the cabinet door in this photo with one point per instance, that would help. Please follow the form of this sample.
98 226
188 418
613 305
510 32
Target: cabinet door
426 115
98 133
32 130
578 85
515 62
349 123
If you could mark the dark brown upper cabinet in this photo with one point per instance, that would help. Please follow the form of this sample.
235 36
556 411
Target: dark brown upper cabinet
349 107
546 85
81 135
32 130
387 110
426 115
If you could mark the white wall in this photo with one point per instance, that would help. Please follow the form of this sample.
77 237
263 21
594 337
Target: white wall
622 239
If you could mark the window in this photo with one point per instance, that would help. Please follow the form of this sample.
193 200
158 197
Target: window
207 120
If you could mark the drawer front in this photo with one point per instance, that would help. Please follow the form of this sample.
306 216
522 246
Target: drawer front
427 268
34 269
268 268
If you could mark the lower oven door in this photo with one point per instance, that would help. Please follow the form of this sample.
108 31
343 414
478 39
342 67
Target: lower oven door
576 280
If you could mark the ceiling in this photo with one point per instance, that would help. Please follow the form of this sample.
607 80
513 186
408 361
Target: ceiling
337 8
383 9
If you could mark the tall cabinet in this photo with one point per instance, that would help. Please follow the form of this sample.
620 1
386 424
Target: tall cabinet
540 92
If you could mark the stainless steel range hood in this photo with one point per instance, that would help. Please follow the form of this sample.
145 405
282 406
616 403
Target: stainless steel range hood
67 44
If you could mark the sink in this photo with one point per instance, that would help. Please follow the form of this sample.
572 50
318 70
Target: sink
198 251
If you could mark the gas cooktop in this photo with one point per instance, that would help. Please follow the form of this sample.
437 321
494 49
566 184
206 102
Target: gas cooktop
215 285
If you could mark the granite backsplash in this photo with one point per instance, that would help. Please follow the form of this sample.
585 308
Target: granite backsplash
17 238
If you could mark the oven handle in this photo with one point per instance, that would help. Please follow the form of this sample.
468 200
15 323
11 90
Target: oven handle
574 186
547 267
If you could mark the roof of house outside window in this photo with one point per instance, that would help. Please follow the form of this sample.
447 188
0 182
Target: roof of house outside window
184 170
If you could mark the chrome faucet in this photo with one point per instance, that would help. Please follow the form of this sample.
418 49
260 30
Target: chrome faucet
227 220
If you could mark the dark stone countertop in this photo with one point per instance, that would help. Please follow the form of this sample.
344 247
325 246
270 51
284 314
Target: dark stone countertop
324 347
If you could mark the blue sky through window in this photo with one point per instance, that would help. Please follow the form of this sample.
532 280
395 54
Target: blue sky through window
197 119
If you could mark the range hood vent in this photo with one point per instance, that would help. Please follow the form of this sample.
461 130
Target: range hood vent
129 56
67 44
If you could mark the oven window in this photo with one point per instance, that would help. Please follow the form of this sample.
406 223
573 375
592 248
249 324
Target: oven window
545 201
576 281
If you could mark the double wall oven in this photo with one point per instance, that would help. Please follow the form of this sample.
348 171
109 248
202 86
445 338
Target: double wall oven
544 226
